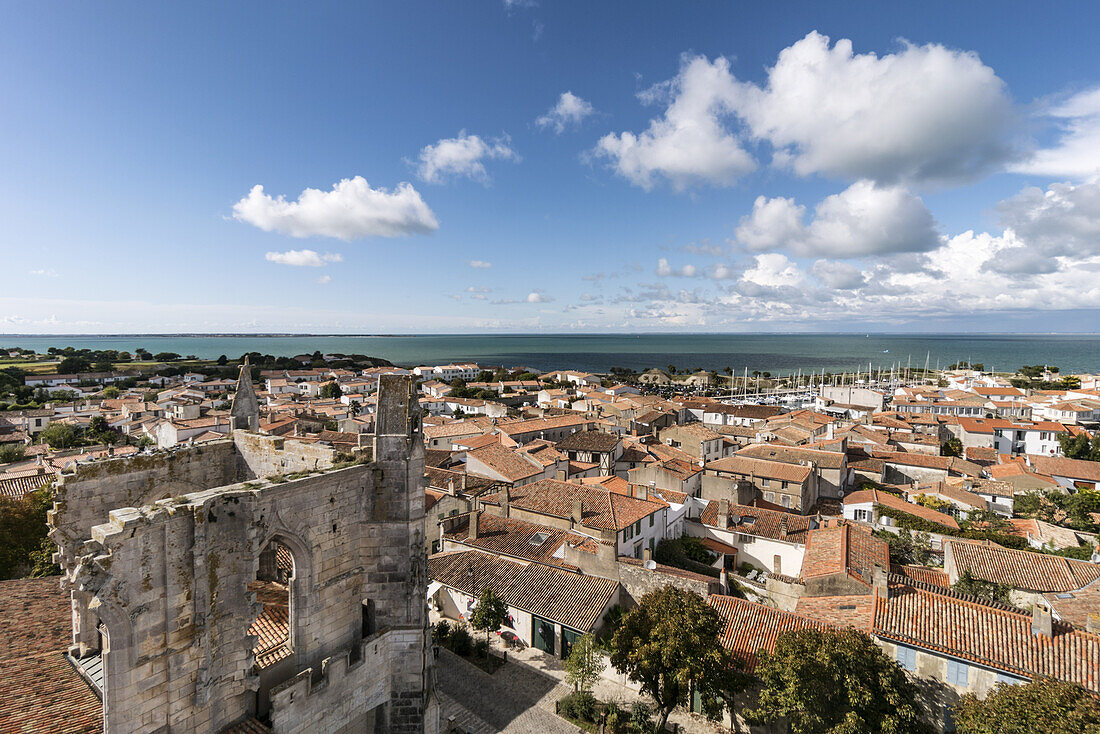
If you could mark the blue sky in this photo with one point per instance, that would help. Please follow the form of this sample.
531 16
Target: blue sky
717 167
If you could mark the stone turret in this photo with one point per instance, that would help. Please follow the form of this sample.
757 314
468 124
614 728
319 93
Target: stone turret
245 412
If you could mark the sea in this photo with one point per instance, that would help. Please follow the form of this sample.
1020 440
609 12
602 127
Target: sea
775 353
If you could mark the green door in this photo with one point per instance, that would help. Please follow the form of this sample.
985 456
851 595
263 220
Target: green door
568 639
542 634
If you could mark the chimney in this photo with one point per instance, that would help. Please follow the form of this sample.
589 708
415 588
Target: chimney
879 581
462 482
782 528
578 512
1042 622
647 555
505 500
451 486
474 523
724 581
561 475
724 514
641 491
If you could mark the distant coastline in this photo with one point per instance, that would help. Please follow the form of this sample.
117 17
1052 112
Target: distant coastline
599 352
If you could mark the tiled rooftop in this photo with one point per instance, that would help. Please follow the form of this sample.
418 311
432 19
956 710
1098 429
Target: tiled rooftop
39 690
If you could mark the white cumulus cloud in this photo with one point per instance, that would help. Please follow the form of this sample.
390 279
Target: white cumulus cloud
463 155
864 219
665 270
838 275
690 144
569 111
925 113
303 258
1063 220
351 210
537 296
1077 151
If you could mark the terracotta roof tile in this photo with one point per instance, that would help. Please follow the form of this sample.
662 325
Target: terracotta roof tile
600 508
761 522
39 690
988 635
572 599
1022 569
752 628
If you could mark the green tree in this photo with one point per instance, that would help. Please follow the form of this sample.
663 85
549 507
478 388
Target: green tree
584 664
223 360
110 393
908 548
73 365
987 590
23 533
10 452
1081 507
166 357
59 436
951 447
1080 446
720 686
835 683
331 390
1041 707
665 643
489 614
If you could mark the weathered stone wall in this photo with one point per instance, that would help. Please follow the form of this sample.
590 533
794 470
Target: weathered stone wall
83 498
168 583
784 594
637 581
265 456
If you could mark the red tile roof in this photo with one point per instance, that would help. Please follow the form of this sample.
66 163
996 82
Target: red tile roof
39 690
1058 466
925 575
572 599
745 466
519 539
762 522
894 502
987 635
600 508
1021 569
752 628
844 549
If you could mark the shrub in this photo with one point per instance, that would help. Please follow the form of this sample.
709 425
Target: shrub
641 717
481 649
11 452
461 642
580 705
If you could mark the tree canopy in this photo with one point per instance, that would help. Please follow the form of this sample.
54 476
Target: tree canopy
1041 707
25 549
59 436
668 641
1080 446
835 683
490 612
584 664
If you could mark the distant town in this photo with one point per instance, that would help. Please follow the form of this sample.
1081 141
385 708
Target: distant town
949 516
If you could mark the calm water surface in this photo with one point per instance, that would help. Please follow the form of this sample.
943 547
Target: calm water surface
776 353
